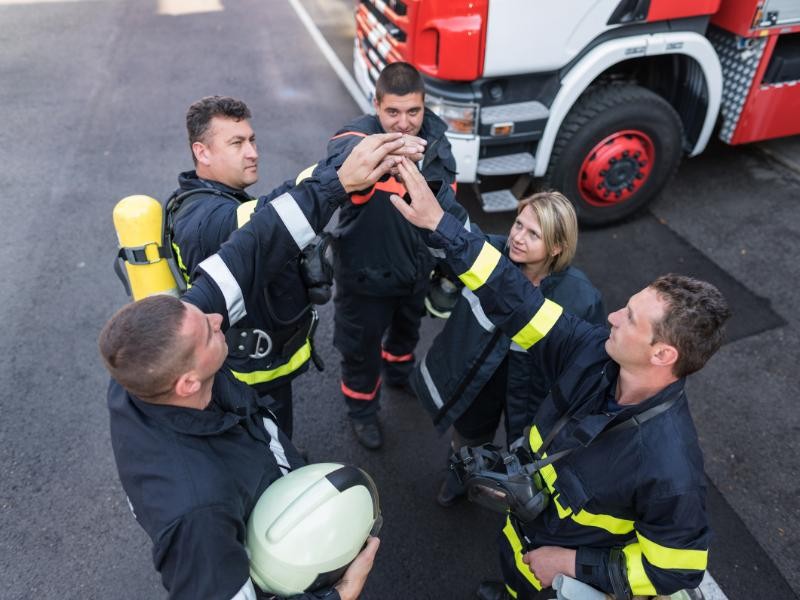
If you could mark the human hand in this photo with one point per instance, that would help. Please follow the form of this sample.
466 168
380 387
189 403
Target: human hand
548 561
354 578
370 160
424 210
413 147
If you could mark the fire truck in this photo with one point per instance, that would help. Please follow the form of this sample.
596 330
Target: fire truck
599 99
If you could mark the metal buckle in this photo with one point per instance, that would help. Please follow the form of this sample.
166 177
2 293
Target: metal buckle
260 337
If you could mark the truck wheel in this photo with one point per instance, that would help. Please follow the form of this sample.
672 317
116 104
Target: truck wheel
616 149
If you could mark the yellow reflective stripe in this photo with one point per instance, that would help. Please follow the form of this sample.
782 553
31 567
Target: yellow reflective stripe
181 266
297 360
305 173
639 581
607 522
511 592
548 473
516 547
482 268
672 558
244 212
563 513
539 326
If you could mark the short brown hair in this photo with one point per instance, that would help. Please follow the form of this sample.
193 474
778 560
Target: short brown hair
200 113
399 79
559 224
142 347
694 320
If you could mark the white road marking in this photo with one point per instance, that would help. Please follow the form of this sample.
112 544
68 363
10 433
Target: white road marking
188 7
341 71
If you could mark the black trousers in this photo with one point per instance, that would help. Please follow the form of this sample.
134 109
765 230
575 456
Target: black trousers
375 334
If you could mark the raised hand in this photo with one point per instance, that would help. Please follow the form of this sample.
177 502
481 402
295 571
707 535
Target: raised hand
370 160
424 210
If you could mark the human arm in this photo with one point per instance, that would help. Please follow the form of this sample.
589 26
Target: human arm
353 580
227 281
548 561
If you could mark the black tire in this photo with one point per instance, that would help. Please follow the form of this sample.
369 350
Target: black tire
624 117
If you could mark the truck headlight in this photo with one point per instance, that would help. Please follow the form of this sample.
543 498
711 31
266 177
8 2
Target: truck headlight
460 117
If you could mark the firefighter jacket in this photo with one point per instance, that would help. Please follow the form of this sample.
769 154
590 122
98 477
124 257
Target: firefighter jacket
193 476
633 502
202 223
448 381
377 252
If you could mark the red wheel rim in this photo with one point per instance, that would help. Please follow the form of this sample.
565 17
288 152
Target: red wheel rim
616 168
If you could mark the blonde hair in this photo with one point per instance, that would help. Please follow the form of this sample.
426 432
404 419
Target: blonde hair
559 225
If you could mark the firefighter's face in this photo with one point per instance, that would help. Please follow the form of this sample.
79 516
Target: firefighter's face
525 243
402 114
204 333
228 153
631 342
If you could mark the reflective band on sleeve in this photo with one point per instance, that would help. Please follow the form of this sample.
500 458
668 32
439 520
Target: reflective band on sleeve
482 268
516 547
297 360
245 211
275 446
515 347
477 310
216 268
672 558
429 385
305 174
538 327
294 220
468 225
247 592
436 252
607 522
639 581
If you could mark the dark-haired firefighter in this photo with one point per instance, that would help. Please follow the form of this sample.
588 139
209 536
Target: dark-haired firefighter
382 265
272 344
627 513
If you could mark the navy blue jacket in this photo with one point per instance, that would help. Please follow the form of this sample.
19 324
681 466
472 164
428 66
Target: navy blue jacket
448 381
203 223
377 252
641 489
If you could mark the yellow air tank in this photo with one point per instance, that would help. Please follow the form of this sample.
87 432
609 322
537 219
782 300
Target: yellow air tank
148 266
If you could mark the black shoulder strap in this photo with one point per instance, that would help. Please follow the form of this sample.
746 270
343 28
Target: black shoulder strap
634 421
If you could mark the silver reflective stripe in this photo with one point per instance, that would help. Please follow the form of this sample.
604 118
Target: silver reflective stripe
248 592
275 446
426 377
216 268
437 252
477 311
515 347
294 219
467 225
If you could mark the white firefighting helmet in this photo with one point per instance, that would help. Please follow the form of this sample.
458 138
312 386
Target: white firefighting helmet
309 525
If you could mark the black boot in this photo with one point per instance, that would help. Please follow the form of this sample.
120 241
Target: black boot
368 432
492 590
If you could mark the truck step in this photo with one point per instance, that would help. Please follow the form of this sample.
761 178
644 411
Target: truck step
498 201
510 164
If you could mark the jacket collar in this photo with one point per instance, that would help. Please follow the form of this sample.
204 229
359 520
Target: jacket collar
188 180
229 406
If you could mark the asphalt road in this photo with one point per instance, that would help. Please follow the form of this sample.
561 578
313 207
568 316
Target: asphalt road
92 97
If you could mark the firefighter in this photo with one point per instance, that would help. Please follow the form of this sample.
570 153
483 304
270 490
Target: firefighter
381 265
489 376
627 515
273 343
194 447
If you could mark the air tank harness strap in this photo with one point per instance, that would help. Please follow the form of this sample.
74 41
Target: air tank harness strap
257 343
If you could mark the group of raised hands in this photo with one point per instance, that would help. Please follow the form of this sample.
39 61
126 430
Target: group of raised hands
395 153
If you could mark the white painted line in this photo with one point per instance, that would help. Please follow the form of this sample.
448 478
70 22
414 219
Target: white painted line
188 7
337 66
710 589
